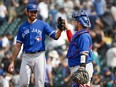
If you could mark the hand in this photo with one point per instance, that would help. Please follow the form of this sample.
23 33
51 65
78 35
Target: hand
61 24
11 68
67 25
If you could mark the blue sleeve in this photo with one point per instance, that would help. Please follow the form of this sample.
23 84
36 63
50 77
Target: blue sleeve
50 32
83 43
19 36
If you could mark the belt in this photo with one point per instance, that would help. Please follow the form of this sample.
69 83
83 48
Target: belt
32 52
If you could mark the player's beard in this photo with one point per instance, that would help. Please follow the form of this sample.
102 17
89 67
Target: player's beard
32 18
76 28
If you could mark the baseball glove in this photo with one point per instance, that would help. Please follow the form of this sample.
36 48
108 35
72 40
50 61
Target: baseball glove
61 23
81 76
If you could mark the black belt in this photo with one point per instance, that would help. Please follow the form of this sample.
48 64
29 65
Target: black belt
33 52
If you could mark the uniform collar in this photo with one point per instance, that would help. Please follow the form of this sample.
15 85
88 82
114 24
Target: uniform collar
79 33
82 31
33 21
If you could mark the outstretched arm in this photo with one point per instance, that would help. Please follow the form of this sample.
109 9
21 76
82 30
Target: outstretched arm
68 31
58 34
63 25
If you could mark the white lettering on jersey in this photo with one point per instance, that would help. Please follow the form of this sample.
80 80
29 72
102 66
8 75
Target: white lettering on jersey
25 32
37 31
33 30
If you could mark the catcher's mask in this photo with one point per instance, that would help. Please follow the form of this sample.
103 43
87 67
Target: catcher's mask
81 16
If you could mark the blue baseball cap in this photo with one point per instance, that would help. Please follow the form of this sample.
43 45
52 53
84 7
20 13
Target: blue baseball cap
32 7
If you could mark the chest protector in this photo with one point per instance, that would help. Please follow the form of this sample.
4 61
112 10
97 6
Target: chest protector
73 47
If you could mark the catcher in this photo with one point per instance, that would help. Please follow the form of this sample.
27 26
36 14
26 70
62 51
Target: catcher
79 53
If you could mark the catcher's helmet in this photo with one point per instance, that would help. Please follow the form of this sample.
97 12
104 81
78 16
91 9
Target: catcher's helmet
81 16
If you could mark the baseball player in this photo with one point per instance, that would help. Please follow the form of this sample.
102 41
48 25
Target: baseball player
79 53
32 35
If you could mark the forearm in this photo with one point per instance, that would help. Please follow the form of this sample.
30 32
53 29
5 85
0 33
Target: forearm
15 52
83 59
50 78
69 34
58 34
68 31
51 83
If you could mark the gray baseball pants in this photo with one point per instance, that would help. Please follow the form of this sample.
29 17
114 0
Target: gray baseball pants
33 63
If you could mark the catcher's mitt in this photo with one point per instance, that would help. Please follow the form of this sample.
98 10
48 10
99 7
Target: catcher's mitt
61 23
81 76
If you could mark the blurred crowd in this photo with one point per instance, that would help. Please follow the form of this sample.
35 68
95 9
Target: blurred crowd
102 14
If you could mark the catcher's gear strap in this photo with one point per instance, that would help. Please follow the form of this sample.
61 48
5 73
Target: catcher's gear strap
83 60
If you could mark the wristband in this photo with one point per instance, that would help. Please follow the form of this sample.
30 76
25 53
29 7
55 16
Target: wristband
83 60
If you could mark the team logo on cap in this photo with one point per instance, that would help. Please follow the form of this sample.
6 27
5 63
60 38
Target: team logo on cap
34 6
